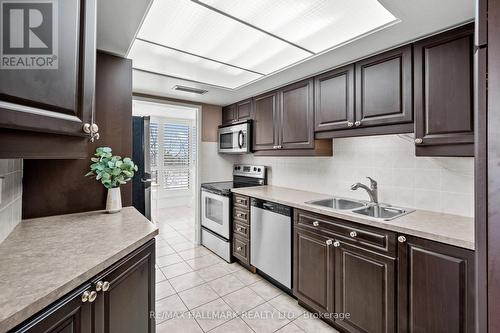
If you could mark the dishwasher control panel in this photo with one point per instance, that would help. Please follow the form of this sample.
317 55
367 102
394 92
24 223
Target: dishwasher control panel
272 206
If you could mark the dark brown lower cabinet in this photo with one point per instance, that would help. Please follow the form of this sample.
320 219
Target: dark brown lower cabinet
69 315
423 287
365 289
313 270
123 308
435 287
127 304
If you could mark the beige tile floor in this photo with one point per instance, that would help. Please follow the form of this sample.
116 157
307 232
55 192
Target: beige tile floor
196 291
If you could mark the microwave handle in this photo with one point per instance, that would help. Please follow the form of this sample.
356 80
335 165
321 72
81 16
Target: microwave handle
240 139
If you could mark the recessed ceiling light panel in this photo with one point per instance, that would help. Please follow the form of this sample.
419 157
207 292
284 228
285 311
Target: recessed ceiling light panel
316 25
157 59
189 26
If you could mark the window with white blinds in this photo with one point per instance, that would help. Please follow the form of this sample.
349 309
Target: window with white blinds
173 153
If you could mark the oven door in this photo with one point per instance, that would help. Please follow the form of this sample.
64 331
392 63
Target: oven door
215 213
234 139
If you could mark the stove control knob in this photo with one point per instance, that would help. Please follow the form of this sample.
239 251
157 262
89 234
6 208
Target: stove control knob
258 169
254 169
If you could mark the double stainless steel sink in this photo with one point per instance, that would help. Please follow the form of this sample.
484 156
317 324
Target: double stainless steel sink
378 211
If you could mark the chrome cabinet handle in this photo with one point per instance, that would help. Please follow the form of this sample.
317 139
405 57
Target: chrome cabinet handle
86 128
238 248
238 228
92 130
316 223
105 286
419 141
401 239
92 296
357 123
85 296
336 244
353 234
350 124
98 286
329 242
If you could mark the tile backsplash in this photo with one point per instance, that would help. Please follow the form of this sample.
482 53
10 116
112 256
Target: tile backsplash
213 166
441 184
11 175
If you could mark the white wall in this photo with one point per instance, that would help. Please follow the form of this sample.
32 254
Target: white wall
437 184
11 195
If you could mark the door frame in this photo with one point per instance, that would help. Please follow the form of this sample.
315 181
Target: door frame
198 123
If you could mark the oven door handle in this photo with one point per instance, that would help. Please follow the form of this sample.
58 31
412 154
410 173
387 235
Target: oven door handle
240 139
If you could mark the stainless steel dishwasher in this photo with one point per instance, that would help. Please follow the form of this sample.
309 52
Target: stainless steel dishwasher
271 240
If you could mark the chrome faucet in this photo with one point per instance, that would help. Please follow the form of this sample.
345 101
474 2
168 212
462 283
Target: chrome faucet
372 190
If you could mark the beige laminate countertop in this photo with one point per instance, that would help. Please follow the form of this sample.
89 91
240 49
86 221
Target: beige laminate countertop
45 258
445 228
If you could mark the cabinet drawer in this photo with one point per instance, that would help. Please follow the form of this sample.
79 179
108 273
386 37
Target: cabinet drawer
371 238
240 214
240 249
241 201
241 229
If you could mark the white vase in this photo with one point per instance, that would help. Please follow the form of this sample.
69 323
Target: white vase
114 201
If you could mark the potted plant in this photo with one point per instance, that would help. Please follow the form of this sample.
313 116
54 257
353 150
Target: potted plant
112 171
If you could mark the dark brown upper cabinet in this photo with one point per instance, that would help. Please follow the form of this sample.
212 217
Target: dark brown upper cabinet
435 287
370 97
444 107
334 99
365 287
384 89
244 110
237 112
56 100
265 135
296 125
229 114
284 122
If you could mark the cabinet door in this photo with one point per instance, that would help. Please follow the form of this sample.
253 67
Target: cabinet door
57 100
244 110
265 136
229 114
313 270
69 315
384 89
436 287
334 99
444 113
365 288
126 306
296 125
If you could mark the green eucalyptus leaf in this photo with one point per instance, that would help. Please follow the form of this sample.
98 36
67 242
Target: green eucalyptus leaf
111 171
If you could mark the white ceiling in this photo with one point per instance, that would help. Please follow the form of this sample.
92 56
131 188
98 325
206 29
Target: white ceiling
417 19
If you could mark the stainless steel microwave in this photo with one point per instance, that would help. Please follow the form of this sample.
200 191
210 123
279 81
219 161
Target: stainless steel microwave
235 138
